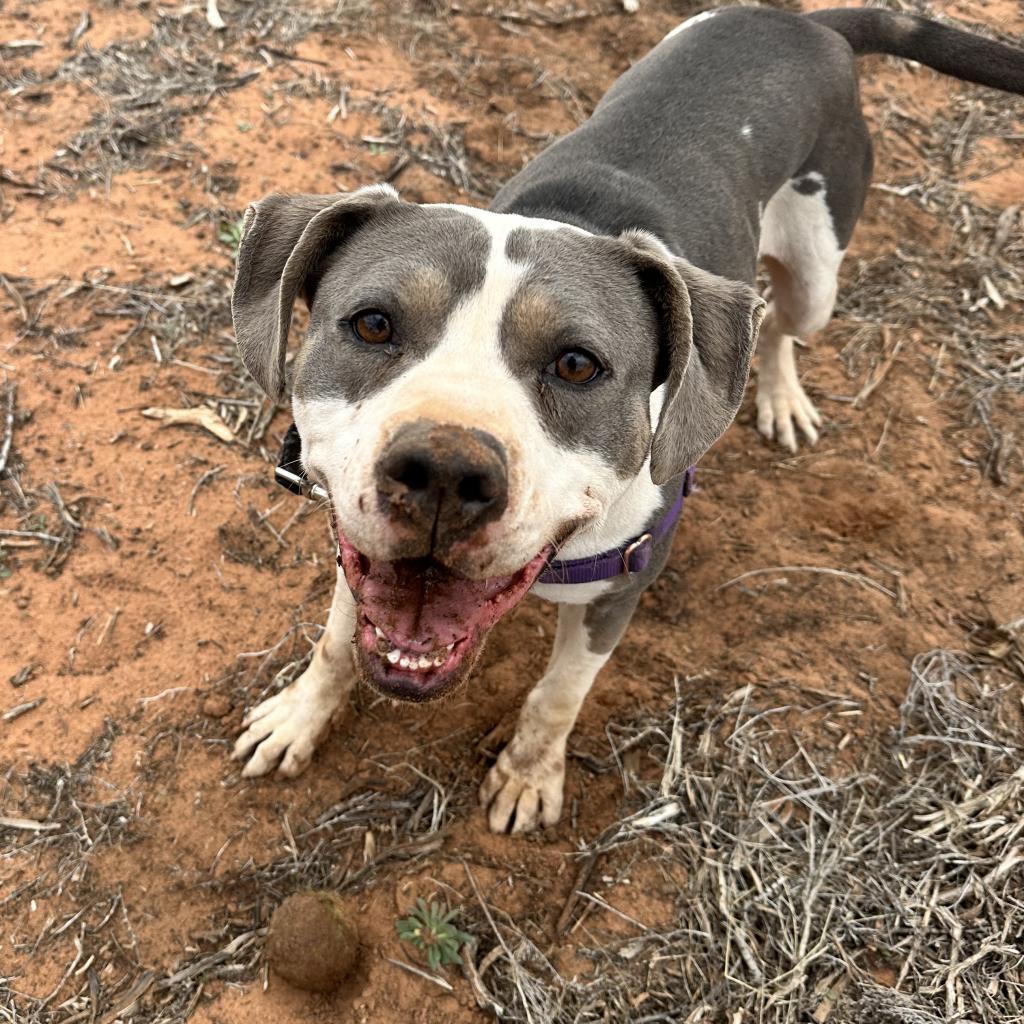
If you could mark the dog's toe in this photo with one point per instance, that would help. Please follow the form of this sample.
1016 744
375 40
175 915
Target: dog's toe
519 797
782 407
282 732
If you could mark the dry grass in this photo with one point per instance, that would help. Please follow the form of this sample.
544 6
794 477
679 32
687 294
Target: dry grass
889 892
957 297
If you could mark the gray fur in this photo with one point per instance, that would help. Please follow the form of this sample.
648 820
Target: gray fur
707 332
946 49
283 240
583 292
665 149
654 320
608 617
417 263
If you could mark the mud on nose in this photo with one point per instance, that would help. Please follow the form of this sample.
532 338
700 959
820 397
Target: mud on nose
442 481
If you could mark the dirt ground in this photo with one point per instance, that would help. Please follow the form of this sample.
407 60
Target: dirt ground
154 581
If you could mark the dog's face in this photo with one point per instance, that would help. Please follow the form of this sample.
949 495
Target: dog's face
473 390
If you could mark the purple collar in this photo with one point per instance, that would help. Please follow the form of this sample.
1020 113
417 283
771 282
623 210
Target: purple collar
633 556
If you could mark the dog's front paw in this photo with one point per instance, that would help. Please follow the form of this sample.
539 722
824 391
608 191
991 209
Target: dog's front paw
284 730
783 405
524 788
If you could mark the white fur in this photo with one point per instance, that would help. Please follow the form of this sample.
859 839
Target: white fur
501 224
285 729
690 22
782 403
624 520
797 232
526 783
464 381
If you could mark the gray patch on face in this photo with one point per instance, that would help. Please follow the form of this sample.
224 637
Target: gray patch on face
412 263
808 185
580 291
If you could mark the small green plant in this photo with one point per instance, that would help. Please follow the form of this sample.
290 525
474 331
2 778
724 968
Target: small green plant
429 928
231 235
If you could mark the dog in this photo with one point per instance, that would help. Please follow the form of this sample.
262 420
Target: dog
511 399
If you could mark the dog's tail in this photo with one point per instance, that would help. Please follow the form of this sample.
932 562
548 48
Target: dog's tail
948 50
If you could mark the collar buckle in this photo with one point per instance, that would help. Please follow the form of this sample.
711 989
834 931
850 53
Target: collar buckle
637 555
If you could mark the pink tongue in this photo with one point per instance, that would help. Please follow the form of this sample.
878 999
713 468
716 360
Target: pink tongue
423 608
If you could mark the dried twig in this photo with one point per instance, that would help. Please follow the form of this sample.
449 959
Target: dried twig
870 385
204 479
8 425
213 18
439 981
845 574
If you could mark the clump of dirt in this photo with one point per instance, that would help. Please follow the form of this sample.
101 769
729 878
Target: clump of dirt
311 943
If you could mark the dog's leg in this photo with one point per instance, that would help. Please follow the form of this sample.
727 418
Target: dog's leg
782 403
802 254
524 787
287 727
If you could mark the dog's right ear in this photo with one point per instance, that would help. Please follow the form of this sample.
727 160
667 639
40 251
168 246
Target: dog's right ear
284 240
707 330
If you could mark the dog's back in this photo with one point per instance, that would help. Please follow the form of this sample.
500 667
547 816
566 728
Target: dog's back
694 140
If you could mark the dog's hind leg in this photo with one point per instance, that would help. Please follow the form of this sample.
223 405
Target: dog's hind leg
805 229
782 404
524 788
285 729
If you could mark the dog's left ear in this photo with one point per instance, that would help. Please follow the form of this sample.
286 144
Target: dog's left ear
708 328
284 240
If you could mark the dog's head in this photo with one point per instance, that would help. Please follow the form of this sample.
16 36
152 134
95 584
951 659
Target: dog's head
474 389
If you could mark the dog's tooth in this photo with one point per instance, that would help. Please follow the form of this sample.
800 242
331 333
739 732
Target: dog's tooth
425 662
403 662
379 632
439 661
393 656
450 646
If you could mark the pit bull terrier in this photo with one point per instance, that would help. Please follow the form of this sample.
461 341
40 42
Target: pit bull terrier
510 399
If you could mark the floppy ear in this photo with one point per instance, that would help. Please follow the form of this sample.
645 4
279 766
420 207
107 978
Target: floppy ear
708 327
284 239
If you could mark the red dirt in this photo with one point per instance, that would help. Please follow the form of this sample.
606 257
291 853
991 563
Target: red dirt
884 493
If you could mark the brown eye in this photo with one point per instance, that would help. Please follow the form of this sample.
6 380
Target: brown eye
372 326
575 366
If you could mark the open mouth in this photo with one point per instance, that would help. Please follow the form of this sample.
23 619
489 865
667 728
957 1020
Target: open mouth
421 627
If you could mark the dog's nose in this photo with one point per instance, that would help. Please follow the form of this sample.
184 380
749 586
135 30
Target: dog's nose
445 481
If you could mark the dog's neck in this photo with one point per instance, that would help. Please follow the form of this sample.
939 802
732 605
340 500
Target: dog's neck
598 207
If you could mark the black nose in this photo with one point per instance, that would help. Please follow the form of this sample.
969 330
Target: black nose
444 481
